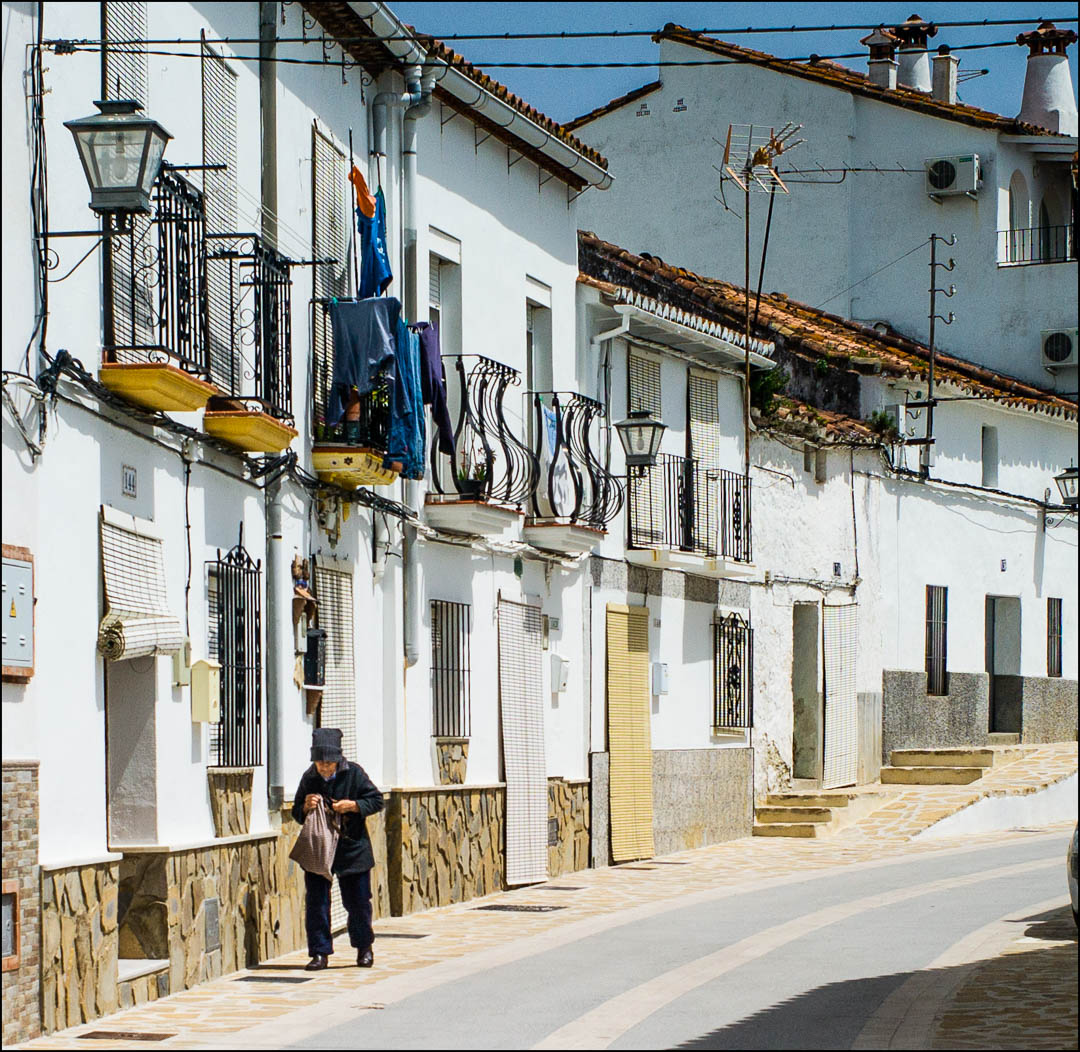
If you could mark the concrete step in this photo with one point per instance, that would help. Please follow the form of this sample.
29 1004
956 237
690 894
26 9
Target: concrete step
792 814
807 800
1003 738
960 757
930 775
797 829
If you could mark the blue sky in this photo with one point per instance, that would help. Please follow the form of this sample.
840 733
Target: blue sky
563 94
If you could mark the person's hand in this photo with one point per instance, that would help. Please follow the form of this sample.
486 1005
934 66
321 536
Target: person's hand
311 801
344 806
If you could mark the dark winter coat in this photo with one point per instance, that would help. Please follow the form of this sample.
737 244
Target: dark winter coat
350 782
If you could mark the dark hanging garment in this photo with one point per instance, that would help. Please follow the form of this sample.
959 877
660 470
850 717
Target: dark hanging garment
433 385
406 440
365 347
375 272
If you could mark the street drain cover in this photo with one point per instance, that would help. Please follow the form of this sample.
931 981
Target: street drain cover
521 909
123 1035
557 887
273 979
401 935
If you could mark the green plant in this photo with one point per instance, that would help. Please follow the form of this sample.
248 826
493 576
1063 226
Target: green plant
822 367
883 424
765 386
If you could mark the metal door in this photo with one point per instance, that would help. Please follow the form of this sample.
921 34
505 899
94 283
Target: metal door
839 629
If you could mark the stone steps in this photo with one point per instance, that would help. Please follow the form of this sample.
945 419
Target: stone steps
931 775
787 815
796 829
810 814
1003 738
806 800
942 758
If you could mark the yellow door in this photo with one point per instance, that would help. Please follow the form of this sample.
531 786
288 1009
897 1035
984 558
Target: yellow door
629 738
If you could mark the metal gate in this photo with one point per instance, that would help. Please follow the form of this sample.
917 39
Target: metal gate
839 629
521 709
629 733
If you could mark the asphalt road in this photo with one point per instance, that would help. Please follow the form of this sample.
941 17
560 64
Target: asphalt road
813 964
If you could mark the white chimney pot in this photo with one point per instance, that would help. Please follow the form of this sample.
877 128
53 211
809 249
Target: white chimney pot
1048 94
945 77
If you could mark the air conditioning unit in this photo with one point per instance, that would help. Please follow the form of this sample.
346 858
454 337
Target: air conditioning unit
1058 348
947 176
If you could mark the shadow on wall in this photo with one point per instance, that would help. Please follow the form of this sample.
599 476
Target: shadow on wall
981 1010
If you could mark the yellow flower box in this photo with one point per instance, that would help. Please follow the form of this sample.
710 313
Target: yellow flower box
251 431
157 385
349 467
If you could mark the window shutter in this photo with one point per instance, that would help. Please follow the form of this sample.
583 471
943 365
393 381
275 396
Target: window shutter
123 67
644 385
435 283
703 413
338 709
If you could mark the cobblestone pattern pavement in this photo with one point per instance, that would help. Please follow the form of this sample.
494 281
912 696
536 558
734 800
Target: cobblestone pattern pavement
214 1013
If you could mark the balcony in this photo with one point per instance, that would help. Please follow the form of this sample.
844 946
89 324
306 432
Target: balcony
156 351
249 327
351 453
495 474
576 496
681 515
1042 244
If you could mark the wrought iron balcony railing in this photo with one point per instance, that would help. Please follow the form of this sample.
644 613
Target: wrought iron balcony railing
250 322
1040 244
492 462
157 283
573 486
679 506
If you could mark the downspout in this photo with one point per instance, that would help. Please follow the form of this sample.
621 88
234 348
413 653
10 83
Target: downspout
418 103
277 614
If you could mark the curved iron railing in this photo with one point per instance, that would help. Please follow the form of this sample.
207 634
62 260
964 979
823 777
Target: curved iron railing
492 462
572 483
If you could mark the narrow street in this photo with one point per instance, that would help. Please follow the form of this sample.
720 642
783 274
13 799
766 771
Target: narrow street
751 944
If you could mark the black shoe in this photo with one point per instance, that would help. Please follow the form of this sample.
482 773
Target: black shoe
365 958
317 963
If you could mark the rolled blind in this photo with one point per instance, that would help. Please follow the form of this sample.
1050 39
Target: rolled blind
644 385
123 65
338 708
840 643
137 620
522 717
629 733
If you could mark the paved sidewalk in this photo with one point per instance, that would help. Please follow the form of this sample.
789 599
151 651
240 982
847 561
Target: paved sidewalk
240 1010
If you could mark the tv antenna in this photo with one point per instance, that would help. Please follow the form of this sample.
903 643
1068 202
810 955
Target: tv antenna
750 156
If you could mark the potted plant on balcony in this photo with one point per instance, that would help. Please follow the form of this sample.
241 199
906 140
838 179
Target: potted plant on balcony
472 478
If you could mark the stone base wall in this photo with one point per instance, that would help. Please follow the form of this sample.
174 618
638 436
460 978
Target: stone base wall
453 760
701 796
444 845
912 719
230 799
1048 710
600 826
21 983
568 819
79 944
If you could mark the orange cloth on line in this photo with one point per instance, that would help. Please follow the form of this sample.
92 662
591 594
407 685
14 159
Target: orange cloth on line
365 199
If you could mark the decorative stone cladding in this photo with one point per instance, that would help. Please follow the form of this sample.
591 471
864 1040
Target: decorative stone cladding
21 984
444 845
453 756
913 719
79 944
230 799
568 817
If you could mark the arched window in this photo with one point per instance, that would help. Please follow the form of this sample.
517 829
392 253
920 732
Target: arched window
1019 218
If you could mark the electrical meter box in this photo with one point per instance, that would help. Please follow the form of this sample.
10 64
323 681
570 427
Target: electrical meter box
560 669
18 613
205 692
659 678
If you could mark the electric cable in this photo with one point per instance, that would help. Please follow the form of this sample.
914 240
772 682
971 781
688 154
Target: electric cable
885 266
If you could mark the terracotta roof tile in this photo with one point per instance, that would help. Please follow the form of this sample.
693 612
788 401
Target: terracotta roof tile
614 104
806 331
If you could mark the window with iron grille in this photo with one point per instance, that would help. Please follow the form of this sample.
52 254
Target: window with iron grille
234 639
220 204
450 672
329 241
937 616
1053 637
733 674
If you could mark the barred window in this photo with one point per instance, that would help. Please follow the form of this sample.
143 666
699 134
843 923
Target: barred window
733 674
329 241
234 639
937 616
1053 637
450 672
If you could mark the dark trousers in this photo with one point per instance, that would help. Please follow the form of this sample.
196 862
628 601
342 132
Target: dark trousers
355 897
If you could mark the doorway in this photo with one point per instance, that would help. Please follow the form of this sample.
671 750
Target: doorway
1003 663
806 696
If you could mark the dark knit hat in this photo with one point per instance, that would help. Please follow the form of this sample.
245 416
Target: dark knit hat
326 745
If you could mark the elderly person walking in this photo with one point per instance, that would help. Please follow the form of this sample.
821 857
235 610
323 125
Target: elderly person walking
351 794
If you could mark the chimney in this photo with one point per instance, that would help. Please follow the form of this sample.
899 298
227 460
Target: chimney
914 69
882 46
945 75
1048 91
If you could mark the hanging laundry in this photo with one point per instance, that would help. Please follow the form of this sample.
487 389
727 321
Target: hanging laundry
375 271
433 385
365 347
407 438
365 199
555 493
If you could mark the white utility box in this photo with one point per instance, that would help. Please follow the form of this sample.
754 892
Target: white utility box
659 678
205 692
560 670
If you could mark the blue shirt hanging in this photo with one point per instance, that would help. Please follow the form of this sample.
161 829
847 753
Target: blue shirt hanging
375 272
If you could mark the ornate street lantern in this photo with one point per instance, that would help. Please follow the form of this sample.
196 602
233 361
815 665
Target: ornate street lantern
640 435
1067 484
121 155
